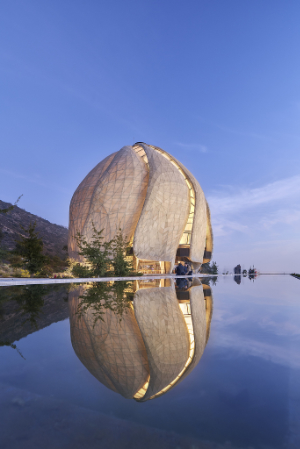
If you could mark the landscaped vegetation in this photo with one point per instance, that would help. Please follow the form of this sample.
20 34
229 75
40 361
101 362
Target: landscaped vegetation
209 268
103 259
100 259
27 259
30 258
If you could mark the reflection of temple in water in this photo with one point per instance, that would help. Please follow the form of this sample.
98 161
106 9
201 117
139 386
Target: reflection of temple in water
154 346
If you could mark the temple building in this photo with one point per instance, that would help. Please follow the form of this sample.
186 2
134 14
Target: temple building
152 347
155 201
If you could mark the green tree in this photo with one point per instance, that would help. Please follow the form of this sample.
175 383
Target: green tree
214 268
31 303
3 251
65 248
97 254
209 268
81 271
103 258
30 246
120 262
205 268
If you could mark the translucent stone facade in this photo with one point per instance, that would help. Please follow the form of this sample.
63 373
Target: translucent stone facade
151 348
152 197
165 211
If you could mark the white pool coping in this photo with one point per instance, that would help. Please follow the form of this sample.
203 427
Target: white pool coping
5 282
32 281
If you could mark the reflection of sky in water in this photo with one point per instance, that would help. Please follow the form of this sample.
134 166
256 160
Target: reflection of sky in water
245 389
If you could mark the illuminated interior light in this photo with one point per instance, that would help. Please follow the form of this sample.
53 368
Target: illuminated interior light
141 152
142 391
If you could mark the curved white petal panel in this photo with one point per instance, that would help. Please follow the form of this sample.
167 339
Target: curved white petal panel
198 313
165 336
165 211
197 211
197 244
119 196
80 203
110 197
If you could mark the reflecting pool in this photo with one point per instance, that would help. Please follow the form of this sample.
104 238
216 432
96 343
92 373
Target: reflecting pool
151 364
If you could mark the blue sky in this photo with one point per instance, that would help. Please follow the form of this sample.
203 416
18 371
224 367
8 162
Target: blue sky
215 83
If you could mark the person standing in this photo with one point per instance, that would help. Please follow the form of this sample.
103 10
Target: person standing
180 270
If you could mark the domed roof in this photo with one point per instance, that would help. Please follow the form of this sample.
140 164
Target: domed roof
150 196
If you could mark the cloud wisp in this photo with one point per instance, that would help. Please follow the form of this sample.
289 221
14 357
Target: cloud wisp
248 198
248 209
271 334
192 146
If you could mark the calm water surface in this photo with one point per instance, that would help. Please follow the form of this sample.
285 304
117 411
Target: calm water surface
211 367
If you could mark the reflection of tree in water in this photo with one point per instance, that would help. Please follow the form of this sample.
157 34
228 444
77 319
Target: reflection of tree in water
13 346
28 309
209 280
237 278
101 296
30 300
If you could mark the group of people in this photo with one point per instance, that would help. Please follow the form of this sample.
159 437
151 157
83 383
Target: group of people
181 270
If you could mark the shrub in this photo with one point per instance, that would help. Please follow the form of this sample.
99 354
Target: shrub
30 247
97 254
20 273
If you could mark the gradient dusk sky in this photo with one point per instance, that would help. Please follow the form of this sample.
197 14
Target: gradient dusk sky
216 83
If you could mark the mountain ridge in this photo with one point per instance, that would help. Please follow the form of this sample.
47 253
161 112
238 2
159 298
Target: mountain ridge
54 236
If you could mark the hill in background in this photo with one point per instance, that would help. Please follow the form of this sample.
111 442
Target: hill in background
55 237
